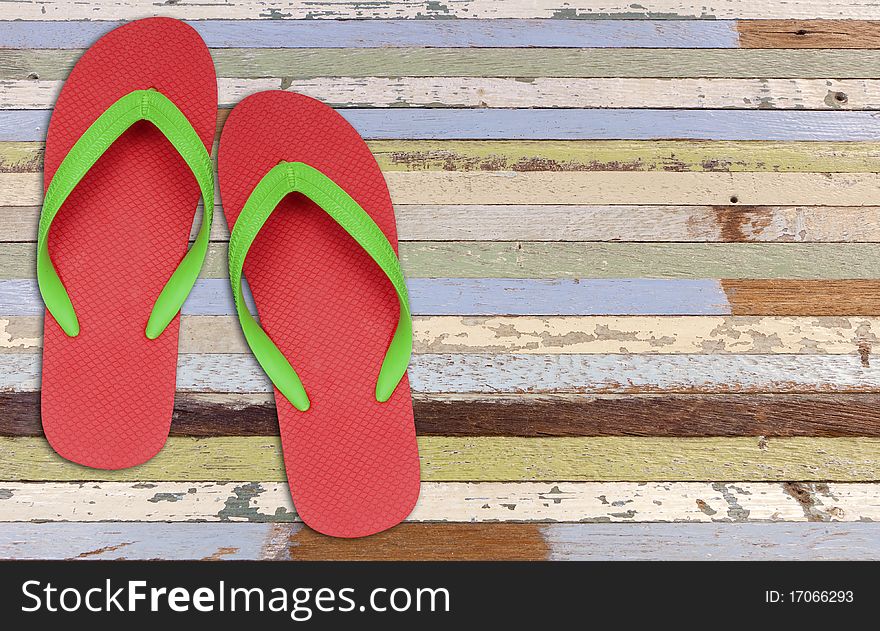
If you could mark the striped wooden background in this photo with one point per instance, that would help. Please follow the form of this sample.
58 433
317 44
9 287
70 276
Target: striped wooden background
643 246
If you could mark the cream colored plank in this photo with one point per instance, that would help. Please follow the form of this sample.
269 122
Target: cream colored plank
506 187
451 502
498 92
796 224
553 335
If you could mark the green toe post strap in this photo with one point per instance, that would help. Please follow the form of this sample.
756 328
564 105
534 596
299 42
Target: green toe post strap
296 177
152 106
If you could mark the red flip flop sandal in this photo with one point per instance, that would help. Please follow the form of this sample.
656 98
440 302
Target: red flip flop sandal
127 159
313 230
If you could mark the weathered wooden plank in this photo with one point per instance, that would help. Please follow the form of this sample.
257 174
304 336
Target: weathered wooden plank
503 296
670 415
808 33
578 155
642 223
552 335
425 9
307 63
525 542
598 155
520 373
500 296
602 187
555 124
566 502
783 298
490 459
225 33
517 259
501 92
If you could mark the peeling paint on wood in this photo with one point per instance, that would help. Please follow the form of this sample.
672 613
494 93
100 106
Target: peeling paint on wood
571 502
552 335
460 9
524 373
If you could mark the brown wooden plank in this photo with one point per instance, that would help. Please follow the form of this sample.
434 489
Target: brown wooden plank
416 542
808 33
777 415
803 297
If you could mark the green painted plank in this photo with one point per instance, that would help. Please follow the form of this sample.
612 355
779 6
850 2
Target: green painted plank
579 155
507 259
493 62
494 459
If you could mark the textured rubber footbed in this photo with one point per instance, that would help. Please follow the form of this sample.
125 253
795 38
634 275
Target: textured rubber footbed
352 462
108 394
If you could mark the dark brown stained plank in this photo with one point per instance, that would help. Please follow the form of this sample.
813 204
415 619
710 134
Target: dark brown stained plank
808 33
421 542
803 297
776 415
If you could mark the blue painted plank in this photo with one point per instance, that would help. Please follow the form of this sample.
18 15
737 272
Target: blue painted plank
475 296
404 33
569 124
132 541
515 373
565 542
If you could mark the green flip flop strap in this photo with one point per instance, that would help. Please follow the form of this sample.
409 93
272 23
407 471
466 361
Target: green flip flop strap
135 106
297 177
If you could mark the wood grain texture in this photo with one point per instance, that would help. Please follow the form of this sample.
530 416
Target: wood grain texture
539 374
50 64
553 335
511 187
554 124
525 259
532 416
565 502
227 541
425 9
501 92
831 298
578 155
852 33
491 459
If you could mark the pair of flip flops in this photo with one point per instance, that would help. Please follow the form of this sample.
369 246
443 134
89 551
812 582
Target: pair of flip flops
312 230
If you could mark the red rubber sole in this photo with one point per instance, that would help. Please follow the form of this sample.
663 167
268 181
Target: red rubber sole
108 394
352 462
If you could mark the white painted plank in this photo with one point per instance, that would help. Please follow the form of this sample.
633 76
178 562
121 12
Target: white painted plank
497 92
595 502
